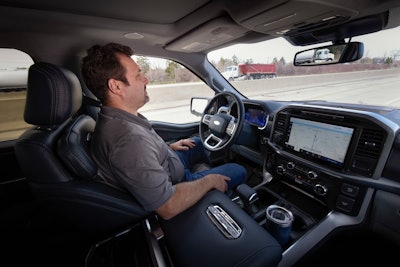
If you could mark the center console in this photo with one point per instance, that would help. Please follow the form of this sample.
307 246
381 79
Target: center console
323 186
319 161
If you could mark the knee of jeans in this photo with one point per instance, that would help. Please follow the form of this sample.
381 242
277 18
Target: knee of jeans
197 140
240 171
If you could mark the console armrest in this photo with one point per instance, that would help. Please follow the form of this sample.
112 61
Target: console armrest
197 238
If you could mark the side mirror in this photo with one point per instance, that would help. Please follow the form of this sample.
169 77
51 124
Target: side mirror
331 54
198 105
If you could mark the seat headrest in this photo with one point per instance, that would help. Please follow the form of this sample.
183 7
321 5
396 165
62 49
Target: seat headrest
53 95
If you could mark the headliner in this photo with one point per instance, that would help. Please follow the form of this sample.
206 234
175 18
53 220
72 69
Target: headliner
52 30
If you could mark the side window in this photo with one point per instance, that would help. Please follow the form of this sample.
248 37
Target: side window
171 87
14 66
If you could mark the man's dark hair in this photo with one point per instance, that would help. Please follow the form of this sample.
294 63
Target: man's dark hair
101 64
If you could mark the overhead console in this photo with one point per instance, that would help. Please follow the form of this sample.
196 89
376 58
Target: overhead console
297 21
325 151
282 16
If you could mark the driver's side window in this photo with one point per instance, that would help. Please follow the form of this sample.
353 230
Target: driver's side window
171 88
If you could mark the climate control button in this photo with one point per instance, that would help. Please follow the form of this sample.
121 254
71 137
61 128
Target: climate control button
312 174
320 189
280 170
290 165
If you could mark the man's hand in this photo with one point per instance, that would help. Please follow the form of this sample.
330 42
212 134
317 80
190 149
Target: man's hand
183 144
219 181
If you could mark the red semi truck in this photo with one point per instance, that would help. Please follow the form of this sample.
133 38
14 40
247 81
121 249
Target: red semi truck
250 72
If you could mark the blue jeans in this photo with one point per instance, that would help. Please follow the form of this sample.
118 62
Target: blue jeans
198 154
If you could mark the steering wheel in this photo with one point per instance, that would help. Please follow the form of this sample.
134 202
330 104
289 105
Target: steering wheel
222 121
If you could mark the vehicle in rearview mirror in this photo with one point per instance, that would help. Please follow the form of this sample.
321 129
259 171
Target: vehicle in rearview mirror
331 54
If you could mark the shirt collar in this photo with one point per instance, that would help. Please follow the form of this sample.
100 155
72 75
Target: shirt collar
124 115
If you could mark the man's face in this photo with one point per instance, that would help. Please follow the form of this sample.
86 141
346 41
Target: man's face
135 93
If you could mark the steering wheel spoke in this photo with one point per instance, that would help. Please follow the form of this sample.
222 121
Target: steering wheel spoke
230 129
213 141
206 119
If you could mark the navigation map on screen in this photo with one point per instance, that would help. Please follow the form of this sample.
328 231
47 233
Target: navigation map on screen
325 141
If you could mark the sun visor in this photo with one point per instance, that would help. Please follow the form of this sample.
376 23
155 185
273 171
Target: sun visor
209 35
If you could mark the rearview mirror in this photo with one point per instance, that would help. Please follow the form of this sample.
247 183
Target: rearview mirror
331 54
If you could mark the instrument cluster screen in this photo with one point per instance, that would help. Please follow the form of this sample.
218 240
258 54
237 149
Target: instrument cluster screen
256 117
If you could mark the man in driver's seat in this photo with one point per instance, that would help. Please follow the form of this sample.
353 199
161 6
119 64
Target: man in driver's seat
130 154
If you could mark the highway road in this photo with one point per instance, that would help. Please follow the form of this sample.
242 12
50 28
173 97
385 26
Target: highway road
366 87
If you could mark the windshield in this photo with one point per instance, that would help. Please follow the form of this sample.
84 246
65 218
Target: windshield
265 71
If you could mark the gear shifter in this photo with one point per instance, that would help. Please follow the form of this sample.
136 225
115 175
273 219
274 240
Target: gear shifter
248 196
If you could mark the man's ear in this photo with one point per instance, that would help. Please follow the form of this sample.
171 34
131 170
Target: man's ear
114 86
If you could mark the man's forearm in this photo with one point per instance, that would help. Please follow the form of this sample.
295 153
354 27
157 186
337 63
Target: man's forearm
186 195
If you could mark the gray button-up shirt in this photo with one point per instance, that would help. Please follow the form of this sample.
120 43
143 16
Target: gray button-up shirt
131 155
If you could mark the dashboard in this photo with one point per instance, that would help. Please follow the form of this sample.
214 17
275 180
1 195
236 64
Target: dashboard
331 153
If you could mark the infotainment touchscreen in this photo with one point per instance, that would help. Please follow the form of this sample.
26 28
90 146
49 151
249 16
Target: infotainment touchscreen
327 142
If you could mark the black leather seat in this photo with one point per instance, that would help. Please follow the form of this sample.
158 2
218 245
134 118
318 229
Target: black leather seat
54 156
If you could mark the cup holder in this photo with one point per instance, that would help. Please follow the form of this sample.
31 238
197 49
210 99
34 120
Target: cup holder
299 223
302 221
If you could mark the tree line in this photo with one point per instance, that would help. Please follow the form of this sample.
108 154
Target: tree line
173 72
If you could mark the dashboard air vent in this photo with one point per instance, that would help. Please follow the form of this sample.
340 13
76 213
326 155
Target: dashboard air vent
370 143
280 122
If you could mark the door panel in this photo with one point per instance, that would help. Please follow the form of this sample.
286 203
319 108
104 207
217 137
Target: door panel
170 132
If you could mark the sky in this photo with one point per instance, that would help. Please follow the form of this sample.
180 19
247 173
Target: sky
265 52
